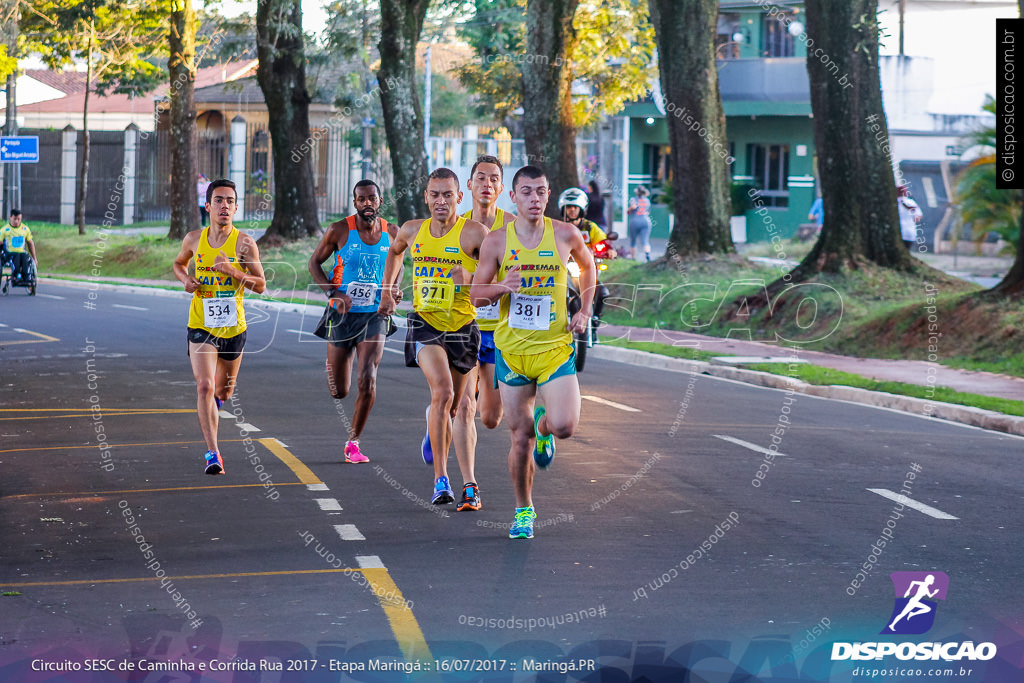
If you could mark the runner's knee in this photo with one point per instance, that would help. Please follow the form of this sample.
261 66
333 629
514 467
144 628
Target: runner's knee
205 387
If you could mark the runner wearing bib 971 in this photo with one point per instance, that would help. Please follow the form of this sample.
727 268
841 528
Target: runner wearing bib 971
535 353
442 337
358 247
226 262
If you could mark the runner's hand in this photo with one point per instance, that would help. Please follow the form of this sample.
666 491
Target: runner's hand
578 324
512 282
222 265
191 285
342 303
387 302
398 295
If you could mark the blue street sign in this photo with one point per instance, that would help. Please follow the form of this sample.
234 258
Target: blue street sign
19 149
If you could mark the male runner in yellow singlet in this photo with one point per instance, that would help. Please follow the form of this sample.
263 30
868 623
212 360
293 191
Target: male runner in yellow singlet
535 353
442 337
226 262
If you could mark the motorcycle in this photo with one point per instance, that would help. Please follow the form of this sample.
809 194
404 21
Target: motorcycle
585 340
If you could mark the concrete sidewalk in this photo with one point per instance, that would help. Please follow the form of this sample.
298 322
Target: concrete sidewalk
922 373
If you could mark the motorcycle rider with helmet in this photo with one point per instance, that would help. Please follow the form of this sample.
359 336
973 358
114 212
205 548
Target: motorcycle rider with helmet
572 204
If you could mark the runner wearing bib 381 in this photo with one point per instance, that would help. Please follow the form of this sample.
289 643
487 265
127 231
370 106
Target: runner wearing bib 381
225 262
441 336
535 355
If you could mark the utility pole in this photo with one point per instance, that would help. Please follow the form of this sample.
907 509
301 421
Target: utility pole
426 105
903 10
367 144
12 176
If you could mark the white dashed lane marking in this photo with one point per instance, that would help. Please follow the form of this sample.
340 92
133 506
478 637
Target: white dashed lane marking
317 487
748 445
920 507
328 504
130 308
349 532
613 404
241 425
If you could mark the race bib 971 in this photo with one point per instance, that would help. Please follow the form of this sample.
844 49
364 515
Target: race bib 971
434 294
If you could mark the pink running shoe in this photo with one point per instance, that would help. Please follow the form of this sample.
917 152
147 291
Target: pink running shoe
353 454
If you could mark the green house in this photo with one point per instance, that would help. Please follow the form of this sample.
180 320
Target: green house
762 74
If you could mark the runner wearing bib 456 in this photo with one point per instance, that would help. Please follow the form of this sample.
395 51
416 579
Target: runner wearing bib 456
224 262
441 336
358 247
534 338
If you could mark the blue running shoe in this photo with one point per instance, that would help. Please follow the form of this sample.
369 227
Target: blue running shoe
522 527
218 402
214 463
544 449
425 450
443 493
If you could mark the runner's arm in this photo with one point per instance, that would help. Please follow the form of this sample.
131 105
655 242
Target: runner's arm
393 265
249 256
588 279
485 290
328 245
180 266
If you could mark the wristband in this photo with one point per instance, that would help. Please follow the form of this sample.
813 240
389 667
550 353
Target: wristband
331 292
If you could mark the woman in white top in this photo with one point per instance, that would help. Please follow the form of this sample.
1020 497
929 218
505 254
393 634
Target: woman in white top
639 224
910 216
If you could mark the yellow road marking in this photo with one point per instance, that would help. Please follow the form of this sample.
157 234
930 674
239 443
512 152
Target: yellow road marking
403 622
42 338
30 584
89 410
115 445
304 474
103 413
106 493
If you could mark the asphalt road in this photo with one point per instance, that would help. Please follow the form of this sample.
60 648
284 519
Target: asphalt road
114 545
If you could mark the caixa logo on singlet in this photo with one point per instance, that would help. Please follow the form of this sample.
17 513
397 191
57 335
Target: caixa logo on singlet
915 604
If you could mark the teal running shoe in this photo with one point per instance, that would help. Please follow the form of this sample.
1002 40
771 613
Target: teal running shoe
544 449
522 527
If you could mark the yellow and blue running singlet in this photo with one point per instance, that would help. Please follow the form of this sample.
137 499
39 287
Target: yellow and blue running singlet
437 264
217 304
487 317
534 319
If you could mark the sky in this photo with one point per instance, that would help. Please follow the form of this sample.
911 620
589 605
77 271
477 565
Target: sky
961 41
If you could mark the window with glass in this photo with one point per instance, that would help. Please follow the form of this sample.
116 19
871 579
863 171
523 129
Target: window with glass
769 167
776 40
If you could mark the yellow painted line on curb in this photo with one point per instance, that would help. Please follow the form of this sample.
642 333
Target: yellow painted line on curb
115 445
304 474
403 622
30 584
126 491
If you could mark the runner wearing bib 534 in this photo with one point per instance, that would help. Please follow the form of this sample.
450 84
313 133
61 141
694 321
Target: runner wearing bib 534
215 264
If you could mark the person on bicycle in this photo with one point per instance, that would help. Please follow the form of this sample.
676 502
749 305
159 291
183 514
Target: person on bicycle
573 206
17 242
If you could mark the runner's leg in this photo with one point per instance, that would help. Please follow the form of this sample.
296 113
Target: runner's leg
518 403
227 376
433 360
464 427
339 370
490 399
203 358
370 352
561 400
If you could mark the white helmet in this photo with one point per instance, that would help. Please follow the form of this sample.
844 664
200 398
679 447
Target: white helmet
573 197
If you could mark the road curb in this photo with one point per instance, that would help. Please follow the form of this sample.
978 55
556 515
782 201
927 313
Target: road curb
986 419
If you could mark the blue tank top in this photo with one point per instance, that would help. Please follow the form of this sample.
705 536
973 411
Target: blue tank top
359 268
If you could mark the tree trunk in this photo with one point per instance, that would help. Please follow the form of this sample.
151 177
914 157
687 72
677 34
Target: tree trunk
698 159
400 24
851 134
282 77
83 167
548 128
184 169
1013 283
